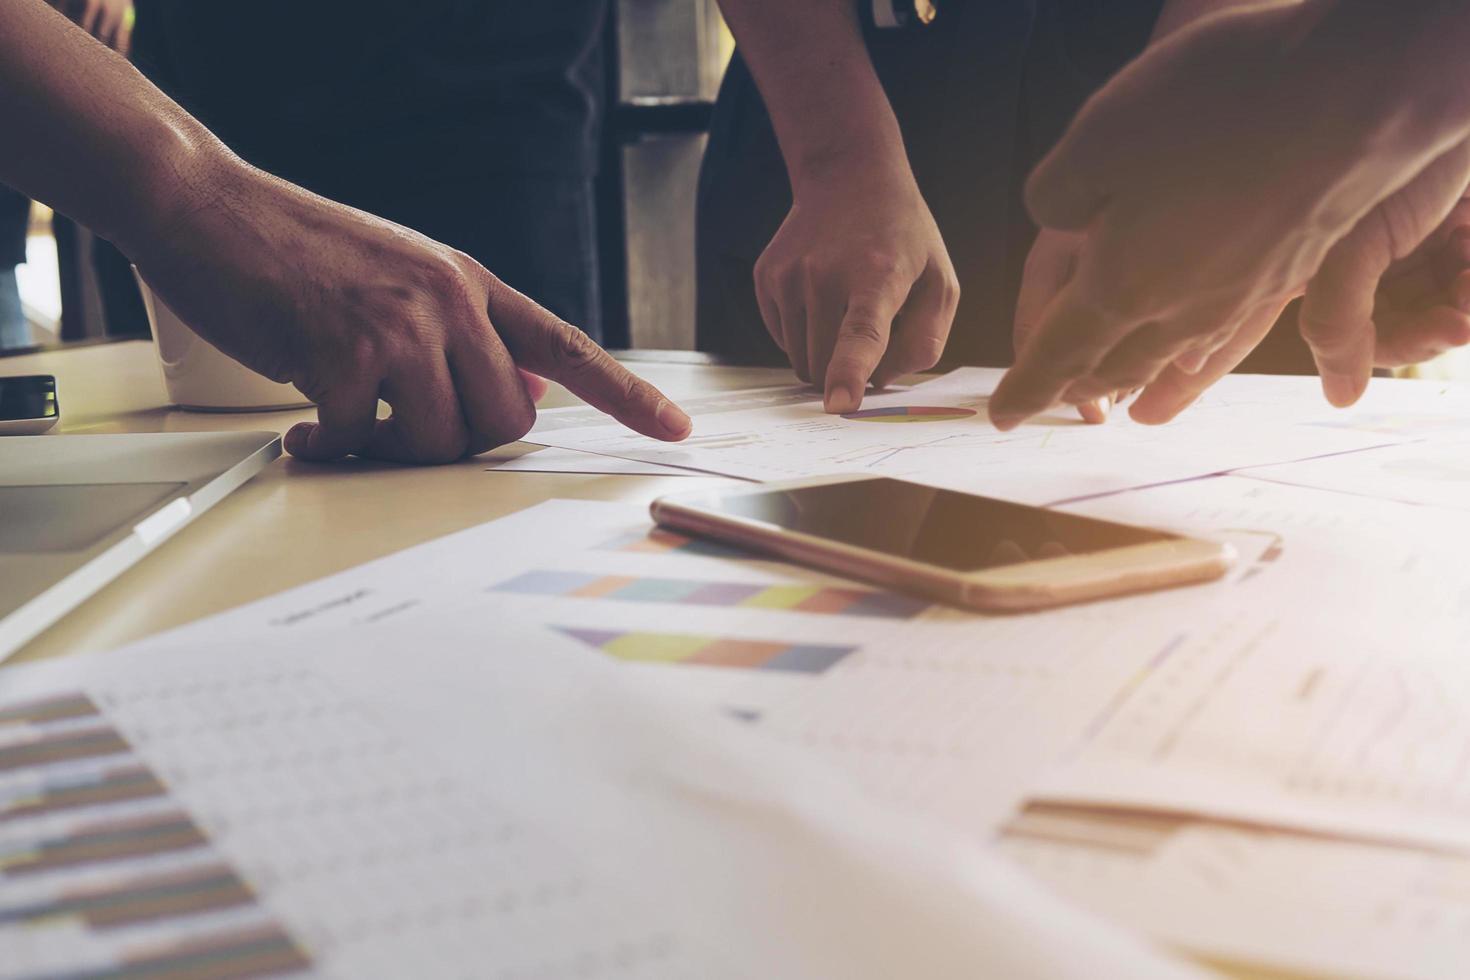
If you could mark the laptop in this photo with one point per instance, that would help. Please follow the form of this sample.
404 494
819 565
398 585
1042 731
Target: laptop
76 511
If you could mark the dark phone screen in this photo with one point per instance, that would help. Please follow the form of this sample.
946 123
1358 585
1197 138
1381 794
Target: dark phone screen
29 397
953 530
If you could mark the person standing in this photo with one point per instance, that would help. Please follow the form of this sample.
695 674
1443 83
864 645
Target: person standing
471 121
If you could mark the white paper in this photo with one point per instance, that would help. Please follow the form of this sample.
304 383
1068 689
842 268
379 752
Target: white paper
1333 697
1285 901
431 801
1246 422
548 460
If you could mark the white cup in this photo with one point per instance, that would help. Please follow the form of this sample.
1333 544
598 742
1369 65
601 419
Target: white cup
201 378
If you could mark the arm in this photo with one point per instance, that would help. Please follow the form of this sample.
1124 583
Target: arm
347 307
1217 175
859 244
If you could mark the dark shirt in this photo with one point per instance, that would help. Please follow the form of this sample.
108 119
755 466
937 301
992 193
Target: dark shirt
981 95
346 96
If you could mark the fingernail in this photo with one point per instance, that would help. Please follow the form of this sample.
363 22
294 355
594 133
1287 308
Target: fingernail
1096 411
297 437
673 419
1192 362
1005 423
840 398
1341 389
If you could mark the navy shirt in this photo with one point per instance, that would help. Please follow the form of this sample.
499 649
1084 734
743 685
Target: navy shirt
342 96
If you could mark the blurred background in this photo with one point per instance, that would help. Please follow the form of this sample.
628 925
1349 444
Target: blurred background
664 60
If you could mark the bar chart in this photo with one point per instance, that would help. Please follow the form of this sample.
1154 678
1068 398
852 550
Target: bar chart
712 651
103 874
797 598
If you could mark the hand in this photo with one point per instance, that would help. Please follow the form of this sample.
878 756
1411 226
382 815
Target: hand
109 21
857 285
1390 293
1192 244
1049 267
351 308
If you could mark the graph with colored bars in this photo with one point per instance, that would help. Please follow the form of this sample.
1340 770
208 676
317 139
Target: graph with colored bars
812 599
103 874
712 651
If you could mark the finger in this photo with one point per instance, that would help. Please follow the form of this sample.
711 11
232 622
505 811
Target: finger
427 425
107 26
1071 339
1174 390
922 325
538 341
770 311
1337 317
1049 267
536 386
1137 360
1460 292
1193 360
493 396
861 341
91 17
1413 339
826 305
346 417
791 304
1095 412
122 41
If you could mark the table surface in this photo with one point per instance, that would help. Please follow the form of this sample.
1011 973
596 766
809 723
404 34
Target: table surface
297 521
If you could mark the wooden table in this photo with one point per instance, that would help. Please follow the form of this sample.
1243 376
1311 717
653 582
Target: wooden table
298 521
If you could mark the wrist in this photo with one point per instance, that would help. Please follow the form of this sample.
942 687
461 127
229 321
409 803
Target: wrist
181 173
852 153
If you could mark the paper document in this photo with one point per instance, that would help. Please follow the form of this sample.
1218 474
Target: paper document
1433 473
1303 904
951 713
438 802
1333 697
938 433
547 460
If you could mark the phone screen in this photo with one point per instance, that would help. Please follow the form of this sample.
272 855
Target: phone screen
29 397
953 530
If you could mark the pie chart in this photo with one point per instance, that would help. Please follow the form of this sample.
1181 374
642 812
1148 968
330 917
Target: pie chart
911 413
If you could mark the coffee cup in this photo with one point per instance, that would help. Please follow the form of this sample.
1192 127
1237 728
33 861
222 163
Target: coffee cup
199 377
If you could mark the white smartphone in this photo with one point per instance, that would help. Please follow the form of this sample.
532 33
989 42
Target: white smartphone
962 549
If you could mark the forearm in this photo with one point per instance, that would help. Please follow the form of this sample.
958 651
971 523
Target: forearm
1405 60
88 135
825 101
1178 14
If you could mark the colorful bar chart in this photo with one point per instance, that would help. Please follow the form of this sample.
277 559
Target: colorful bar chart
91 838
712 651
237 954
135 898
911 413
813 599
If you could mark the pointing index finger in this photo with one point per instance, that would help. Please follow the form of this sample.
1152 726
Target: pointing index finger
541 342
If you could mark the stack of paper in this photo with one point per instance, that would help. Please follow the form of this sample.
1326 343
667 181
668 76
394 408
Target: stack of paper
495 805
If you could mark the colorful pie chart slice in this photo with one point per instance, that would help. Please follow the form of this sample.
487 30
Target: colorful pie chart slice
911 413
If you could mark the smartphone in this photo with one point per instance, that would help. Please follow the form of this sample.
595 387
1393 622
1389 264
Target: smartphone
28 404
961 549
